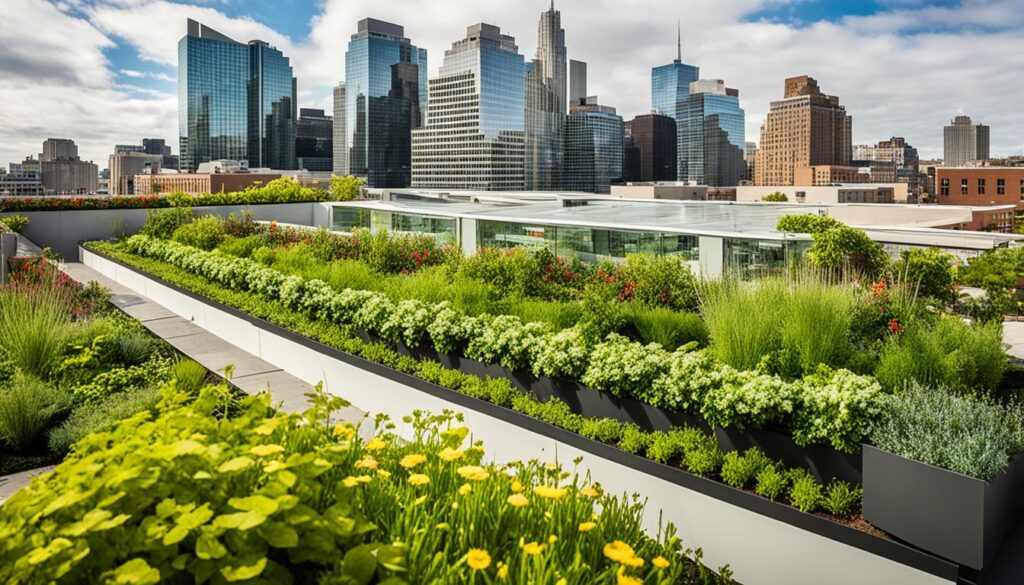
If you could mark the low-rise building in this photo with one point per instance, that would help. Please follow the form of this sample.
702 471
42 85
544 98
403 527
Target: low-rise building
125 166
658 190
981 186
820 194
828 175
199 183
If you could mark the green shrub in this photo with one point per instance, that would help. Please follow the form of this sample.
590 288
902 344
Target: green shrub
189 375
162 223
743 319
703 456
775 197
772 482
101 415
203 233
659 281
27 407
842 498
605 430
671 329
816 322
738 469
240 247
513 271
963 433
930 270
635 440
34 324
345 188
132 347
835 245
16 222
665 446
805 493
153 371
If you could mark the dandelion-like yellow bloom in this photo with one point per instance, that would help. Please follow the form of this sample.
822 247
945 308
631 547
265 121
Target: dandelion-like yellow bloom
549 493
384 473
588 526
660 562
478 559
590 491
516 486
410 461
627 580
552 539
618 551
465 489
354 480
449 454
533 548
474 472
502 571
376 444
419 479
367 462
518 500
343 431
633 561
551 466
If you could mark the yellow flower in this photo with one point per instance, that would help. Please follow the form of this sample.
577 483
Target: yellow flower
354 480
502 571
419 500
264 450
474 472
562 581
618 551
627 580
367 462
343 431
552 466
549 493
518 500
590 491
588 526
533 548
410 461
633 561
376 444
465 489
516 486
660 562
419 479
384 473
455 505
478 559
552 539
449 454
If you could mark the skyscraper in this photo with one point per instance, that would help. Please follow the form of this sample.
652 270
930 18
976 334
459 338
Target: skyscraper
593 147
670 86
577 80
385 87
654 137
213 88
711 135
272 99
314 138
59 149
806 128
964 142
545 105
340 144
474 134
61 171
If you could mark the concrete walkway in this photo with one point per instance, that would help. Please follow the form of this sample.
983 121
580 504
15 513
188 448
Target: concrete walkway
251 374
1013 335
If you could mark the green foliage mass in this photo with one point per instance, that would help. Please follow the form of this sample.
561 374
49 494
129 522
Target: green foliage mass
835 245
930 270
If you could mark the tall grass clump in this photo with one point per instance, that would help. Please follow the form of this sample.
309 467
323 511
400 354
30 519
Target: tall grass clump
671 329
561 315
816 319
743 319
189 375
34 325
27 406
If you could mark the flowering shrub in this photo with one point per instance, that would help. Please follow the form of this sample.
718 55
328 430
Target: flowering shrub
561 355
506 340
622 367
195 493
746 399
836 407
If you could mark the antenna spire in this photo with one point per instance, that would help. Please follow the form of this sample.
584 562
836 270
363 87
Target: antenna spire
679 40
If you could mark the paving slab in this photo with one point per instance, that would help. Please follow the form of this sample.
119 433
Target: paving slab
15 481
172 326
141 308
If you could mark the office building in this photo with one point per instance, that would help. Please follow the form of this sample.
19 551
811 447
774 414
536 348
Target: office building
220 176
819 194
59 149
805 128
593 147
750 158
272 105
20 183
61 171
474 135
980 186
711 135
545 106
339 144
385 90
964 142
821 175
670 84
124 166
655 139
314 148
129 148
577 80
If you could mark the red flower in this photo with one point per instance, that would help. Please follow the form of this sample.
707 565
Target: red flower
894 326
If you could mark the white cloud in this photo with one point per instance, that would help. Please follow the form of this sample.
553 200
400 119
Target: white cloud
906 71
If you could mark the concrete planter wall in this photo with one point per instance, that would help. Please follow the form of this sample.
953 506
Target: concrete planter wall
958 517
764 543
63 230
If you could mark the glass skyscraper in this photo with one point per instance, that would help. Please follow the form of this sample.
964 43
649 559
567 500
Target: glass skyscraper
474 133
213 105
545 105
670 86
385 91
314 139
711 135
272 99
593 148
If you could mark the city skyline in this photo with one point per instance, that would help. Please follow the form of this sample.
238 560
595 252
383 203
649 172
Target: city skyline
122 69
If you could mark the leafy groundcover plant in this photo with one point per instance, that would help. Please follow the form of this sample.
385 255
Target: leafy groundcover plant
250 494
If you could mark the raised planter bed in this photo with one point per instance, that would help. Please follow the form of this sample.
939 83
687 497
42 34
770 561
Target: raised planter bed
955 516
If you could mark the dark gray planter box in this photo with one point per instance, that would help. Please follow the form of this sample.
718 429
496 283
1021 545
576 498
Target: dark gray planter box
954 516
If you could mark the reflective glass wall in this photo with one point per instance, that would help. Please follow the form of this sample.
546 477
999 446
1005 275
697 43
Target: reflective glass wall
272 111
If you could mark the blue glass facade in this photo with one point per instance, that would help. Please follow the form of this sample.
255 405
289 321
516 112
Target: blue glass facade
385 87
213 73
502 91
670 85
272 109
593 150
712 137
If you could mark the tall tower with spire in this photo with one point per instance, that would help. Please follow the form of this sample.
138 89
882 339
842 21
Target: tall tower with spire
546 105
670 85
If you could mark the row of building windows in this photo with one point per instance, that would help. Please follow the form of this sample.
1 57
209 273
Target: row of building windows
964 187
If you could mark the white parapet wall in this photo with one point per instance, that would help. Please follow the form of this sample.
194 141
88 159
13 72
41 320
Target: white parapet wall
760 549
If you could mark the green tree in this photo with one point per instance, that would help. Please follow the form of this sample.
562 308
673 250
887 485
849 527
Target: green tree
930 269
837 245
345 188
776 197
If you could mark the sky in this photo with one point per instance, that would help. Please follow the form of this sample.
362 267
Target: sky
103 72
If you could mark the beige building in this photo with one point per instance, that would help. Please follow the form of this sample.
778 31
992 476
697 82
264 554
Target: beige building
828 175
124 166
667 190
806 128
199 183
820 194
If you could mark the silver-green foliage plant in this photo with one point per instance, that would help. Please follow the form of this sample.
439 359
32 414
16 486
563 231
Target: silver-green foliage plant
962 433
